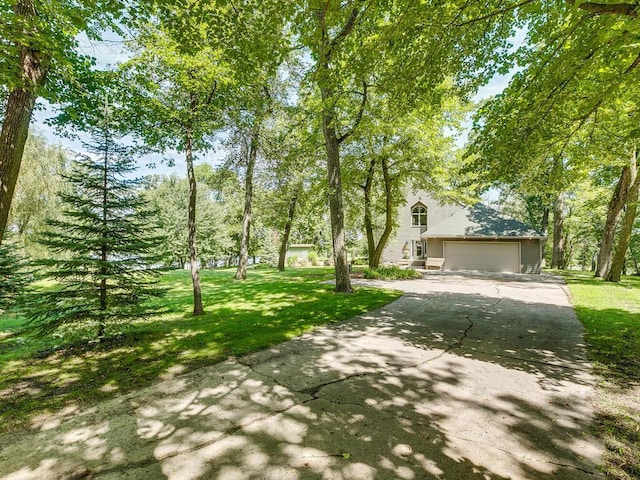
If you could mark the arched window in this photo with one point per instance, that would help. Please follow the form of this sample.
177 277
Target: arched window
419 216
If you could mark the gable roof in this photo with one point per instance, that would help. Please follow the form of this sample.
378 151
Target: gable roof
480 221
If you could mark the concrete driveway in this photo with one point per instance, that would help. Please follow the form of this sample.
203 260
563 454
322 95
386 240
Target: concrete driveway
464 377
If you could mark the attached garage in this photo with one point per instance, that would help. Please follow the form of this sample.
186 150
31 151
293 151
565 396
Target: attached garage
480 238
482 256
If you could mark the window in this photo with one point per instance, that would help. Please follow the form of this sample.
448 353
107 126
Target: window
419 216
418 249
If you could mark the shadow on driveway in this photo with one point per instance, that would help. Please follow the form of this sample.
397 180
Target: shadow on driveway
464 377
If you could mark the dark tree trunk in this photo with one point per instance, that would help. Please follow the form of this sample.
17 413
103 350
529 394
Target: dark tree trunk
17 116
198 309
616 204
368 216
336 209
544 227
557 257
624 239
104 249
241 272
636 267
374 260
282 257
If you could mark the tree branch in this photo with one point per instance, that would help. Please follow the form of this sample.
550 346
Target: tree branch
625 9
493 14
358 116
633 66
212 93
346 30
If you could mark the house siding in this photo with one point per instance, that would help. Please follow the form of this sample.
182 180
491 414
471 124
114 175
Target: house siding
436 213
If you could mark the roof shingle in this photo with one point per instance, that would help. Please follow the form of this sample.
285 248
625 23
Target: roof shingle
482 222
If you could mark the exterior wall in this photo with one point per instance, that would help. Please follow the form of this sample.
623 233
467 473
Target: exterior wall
435 248
436 213
531 258
301 252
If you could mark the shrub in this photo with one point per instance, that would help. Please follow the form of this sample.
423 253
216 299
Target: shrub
292 261
391 273
313 258
360 261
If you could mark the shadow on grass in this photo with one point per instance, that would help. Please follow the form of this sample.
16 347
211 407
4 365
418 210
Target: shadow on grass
610 313
240 317
614 337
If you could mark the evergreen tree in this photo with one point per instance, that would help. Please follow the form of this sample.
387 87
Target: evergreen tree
105 243
14 273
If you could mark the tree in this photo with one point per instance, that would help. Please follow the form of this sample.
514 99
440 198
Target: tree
250 138
395 152
189 67
105 242
36 196
176 95
14 272
357 46
572 101
40 58
633 185
616 205
219 203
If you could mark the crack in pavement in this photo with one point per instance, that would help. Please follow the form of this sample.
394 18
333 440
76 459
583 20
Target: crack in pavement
523 457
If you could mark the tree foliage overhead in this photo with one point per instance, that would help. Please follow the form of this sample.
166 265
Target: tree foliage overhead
574 95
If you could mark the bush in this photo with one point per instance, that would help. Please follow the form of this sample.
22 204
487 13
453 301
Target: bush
360 261
292 261
313 258
391 273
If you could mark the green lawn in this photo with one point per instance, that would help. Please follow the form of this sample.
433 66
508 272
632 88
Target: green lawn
38 375
610 314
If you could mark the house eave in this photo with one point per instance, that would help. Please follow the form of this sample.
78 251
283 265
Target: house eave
483 237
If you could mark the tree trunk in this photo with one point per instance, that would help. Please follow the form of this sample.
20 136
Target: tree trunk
544 226
332 145
287 229
19 108
388 221
616 204
618 261
557 258
636 267
104 248
368 217
198 309
241 272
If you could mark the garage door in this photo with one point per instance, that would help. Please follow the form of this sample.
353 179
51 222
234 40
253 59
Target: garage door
481 256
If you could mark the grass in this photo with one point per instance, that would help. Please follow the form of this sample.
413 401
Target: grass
610 313
40 375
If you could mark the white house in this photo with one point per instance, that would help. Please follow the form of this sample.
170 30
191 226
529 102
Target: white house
453 236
